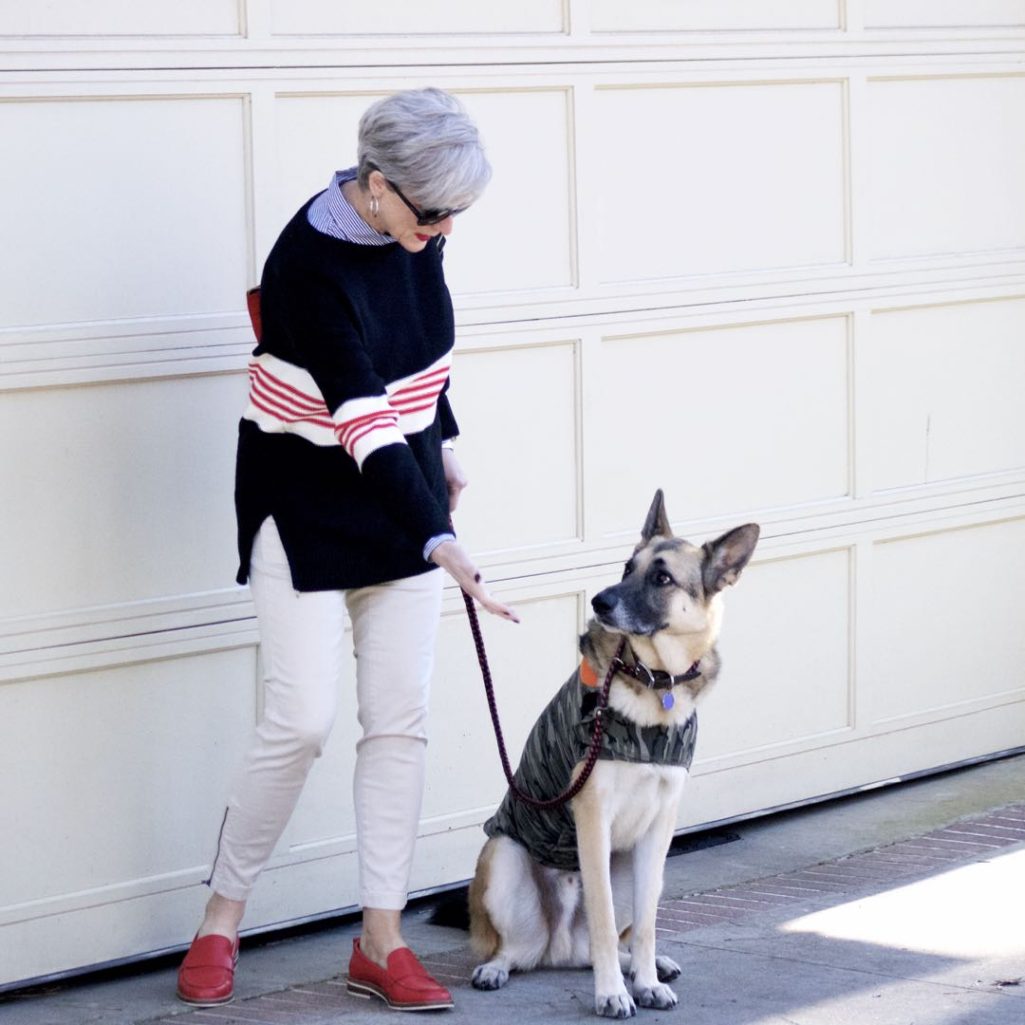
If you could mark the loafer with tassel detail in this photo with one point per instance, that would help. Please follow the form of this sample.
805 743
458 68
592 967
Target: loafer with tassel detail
206 977
404 985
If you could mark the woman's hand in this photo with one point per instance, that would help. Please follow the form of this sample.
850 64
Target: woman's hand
453 559
454 477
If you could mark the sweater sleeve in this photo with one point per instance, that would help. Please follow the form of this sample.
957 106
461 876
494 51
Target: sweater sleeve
328 342
449 426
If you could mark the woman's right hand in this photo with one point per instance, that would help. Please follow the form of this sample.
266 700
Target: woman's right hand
454 560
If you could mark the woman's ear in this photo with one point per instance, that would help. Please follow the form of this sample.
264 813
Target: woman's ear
377 183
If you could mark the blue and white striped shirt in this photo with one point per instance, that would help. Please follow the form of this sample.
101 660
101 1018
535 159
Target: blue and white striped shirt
332 214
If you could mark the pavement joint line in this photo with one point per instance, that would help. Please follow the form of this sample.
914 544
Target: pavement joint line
820 884
440 958
797 893
945 839
305 999
687 904
880 876
842 875
326 997
1007 833
940 854
723 903
687 924
992 834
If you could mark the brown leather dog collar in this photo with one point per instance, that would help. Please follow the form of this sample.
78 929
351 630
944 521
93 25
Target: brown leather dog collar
657 679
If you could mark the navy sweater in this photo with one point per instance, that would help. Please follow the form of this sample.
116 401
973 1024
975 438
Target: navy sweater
341 440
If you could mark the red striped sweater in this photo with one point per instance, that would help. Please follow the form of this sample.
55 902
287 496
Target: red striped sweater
341 439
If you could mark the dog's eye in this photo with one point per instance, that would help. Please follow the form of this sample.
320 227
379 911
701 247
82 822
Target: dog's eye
628 569
663 579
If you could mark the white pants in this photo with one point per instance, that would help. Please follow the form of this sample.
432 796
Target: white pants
302 637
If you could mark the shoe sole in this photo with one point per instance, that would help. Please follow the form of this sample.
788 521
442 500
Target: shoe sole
205 1003
365 990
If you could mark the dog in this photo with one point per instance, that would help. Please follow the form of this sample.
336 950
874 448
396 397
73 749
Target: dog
563 889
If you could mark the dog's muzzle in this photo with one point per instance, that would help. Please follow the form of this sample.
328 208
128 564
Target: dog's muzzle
620 616
604 603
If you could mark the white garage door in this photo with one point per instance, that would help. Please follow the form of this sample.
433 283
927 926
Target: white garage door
767 257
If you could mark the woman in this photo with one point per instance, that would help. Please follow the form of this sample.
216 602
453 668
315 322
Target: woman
345 480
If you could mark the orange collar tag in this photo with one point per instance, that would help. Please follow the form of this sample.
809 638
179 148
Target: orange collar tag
588 677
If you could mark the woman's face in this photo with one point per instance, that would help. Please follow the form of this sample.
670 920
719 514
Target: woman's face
396 219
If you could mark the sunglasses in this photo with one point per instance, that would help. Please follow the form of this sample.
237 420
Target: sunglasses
423 217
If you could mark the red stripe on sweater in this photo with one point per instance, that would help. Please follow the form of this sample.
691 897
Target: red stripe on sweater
407 410
415 395
316 403
369 429
435 379
351 432
418 389
286 408
344 428
270 411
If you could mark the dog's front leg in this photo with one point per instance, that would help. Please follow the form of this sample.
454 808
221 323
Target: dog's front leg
649 857
594 847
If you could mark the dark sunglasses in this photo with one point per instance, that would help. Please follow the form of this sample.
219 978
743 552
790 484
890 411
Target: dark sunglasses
423 217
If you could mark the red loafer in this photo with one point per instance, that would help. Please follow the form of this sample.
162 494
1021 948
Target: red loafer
404 985
207 975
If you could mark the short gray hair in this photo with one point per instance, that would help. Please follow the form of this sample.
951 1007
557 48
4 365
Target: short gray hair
424 141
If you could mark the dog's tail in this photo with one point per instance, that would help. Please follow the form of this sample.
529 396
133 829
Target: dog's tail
451 909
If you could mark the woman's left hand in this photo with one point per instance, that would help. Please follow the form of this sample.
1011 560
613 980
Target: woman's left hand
453 558
454 477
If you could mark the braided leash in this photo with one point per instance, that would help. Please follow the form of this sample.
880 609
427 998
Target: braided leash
599 719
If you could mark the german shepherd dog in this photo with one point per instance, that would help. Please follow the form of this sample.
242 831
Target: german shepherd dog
611 844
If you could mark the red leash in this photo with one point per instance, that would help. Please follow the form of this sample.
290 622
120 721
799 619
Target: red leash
599 720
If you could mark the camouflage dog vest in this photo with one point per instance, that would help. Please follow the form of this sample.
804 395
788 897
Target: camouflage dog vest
560 739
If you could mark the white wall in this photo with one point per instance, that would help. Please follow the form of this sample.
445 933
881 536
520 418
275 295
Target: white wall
769 260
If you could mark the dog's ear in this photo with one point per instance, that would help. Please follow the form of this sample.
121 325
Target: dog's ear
657 523
726 556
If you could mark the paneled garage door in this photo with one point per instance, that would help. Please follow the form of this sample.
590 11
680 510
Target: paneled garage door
768 257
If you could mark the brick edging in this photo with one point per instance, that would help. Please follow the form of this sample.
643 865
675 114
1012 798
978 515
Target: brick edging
952 844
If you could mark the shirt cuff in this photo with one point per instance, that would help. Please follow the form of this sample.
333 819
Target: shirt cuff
438 539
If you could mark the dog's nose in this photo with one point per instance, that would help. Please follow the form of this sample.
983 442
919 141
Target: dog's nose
604 601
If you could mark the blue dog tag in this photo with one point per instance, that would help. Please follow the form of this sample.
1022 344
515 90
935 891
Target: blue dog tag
668 700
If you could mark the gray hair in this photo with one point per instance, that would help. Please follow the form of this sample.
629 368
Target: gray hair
424 141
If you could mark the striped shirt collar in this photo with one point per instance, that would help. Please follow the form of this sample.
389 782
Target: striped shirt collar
332 214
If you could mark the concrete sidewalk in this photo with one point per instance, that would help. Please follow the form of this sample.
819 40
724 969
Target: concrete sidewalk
903 906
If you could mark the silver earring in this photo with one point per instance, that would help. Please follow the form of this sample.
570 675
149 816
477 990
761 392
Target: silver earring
375 206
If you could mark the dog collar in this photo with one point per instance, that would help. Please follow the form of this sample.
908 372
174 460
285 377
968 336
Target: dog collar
658 679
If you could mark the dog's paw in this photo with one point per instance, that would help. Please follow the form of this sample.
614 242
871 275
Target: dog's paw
667 969
614 1005
659 996
489 976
